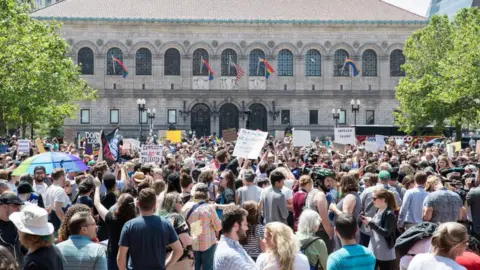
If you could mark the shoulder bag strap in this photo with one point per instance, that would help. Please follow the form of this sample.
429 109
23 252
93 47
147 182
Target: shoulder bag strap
193 209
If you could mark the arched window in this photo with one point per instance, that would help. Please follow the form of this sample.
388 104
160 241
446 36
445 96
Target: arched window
369 63
114 68
172 62
198 55
397 59
339 67
285 63
228 56
86 61
143 62
254 69
313 63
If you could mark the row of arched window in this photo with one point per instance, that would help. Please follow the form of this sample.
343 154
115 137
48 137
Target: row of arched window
285 67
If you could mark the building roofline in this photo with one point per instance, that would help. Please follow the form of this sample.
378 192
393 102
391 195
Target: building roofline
214 21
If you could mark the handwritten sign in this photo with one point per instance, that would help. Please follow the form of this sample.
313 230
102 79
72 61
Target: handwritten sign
279 134
92 142
380 141
151 153
344 135
249 143
24 146
301 138
229 135
131 144
477 147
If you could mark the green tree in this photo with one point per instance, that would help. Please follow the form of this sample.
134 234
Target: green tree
39 83
442 70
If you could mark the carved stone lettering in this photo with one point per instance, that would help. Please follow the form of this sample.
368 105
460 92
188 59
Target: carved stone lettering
201 83
257 83
227 83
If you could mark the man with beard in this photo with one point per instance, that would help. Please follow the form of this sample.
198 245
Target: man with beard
230 255
10 203
318 199
39 185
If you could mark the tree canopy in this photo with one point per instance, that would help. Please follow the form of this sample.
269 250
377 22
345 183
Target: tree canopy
442 74
39 83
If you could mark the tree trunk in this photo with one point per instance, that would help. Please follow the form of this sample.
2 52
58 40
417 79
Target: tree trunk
458 131
24 130
31 132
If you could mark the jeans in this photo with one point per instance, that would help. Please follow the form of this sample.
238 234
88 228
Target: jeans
385 265
364 239
204 259
112 262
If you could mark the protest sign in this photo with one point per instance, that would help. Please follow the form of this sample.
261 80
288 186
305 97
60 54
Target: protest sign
39 144
450 150
457 146
279 134
380 141
131 144
92 142
229 135
371 147
399 141
151 153
174 136
301 138
345 135
24 146
162 134
249 143
69 135
477 148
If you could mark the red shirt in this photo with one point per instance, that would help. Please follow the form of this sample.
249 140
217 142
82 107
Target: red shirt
469 260
298 203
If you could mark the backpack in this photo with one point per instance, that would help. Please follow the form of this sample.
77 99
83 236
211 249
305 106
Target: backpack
305 246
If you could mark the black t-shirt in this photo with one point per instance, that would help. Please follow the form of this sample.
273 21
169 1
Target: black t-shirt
46 258
114 228
85 200
9 238
108 200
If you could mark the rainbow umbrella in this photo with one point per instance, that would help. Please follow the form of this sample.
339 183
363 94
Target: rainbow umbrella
51 160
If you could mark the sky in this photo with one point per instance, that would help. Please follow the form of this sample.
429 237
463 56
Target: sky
419 7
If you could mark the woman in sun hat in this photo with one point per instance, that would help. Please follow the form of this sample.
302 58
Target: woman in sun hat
36 234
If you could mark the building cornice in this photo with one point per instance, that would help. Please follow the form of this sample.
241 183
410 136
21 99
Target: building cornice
214 21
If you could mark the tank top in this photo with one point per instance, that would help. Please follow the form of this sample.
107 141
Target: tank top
311 203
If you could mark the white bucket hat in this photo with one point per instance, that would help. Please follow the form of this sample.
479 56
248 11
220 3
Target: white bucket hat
32 220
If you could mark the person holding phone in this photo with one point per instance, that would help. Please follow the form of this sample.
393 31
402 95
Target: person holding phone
383 225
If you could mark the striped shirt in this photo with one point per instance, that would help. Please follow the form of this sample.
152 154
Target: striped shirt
252 246
210 224
79 252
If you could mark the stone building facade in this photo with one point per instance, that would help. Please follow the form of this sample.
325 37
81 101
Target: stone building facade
163 58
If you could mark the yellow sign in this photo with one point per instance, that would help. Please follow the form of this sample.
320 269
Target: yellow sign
457 146
39 144
175 136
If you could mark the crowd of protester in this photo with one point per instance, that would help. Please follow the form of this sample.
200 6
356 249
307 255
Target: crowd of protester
315 207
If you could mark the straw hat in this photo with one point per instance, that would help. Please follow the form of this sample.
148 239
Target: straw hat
139 177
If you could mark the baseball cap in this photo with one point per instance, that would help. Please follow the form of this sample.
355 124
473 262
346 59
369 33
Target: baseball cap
384 175
250 176
10 198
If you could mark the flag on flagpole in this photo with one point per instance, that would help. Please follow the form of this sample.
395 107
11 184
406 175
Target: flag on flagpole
207 66
238 70
353 65
268 68
125 71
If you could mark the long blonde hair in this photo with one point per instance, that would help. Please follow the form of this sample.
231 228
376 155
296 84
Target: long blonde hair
284 244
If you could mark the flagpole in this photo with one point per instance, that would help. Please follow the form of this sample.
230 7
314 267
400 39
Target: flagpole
258 67
201 64
113 64
344 63
229 64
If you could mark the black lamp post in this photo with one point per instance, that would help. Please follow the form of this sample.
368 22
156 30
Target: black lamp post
336 116
141 109
151 116
355 110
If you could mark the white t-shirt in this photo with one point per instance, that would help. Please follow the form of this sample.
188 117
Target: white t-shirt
266 261
56 194
422 246
430 261
249 193
40 189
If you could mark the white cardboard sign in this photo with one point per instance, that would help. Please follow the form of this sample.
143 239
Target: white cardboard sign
23 146
345 135
371 147
249 143
302 138
151 153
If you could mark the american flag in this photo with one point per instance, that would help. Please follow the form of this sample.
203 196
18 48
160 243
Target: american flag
239 71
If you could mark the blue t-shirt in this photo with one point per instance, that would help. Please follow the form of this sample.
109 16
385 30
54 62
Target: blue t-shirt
85 200
147 238
351 257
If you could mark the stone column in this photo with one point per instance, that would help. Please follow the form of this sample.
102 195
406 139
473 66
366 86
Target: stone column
186 71
299 72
